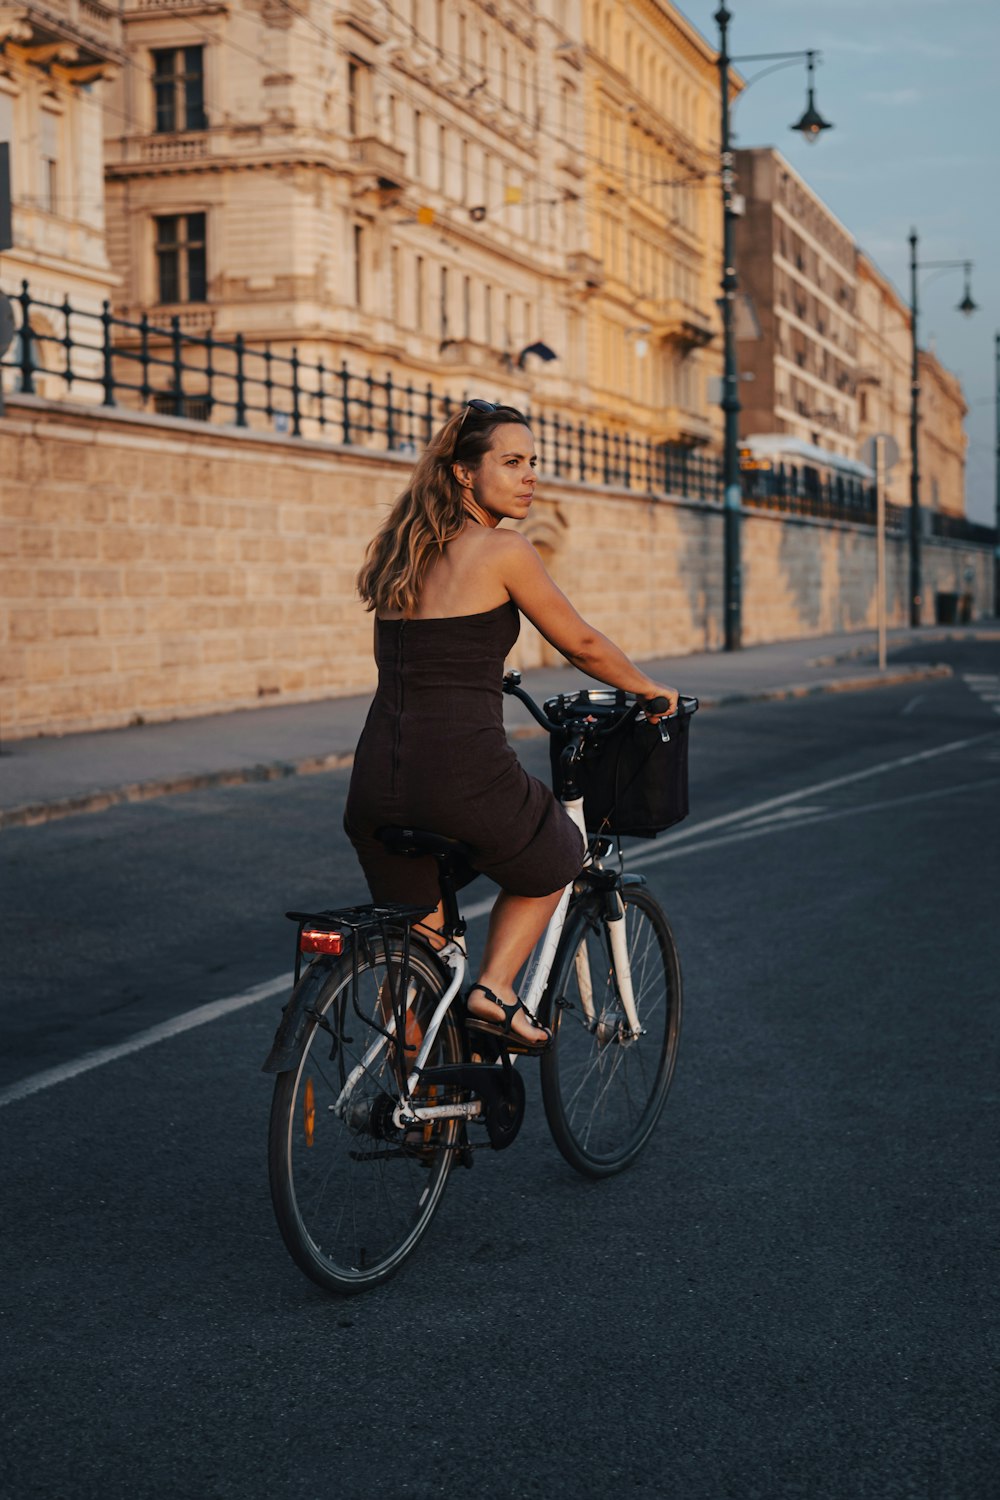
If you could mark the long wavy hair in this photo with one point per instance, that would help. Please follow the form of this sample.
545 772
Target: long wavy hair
429 513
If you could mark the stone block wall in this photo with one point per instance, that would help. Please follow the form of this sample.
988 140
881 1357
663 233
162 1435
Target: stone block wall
153 569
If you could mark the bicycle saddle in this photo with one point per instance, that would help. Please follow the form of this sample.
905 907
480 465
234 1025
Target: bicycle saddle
417 841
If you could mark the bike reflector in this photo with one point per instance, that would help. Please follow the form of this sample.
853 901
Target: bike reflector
315 940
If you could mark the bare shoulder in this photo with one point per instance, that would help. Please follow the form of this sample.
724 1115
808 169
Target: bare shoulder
498 550
512 550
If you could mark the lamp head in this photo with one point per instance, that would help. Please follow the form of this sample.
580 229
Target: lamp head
812 123
967 306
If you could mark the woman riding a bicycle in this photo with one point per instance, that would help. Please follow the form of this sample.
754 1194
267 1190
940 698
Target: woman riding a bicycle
446 584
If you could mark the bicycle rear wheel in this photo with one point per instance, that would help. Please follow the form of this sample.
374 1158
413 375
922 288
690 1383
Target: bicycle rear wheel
353 1194
603 1091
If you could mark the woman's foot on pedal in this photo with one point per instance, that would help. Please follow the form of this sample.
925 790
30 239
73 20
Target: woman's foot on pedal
509 1021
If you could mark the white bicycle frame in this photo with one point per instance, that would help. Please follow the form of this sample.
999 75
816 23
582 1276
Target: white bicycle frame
455 958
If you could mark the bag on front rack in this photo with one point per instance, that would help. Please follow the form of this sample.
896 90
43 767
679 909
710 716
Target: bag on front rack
635 782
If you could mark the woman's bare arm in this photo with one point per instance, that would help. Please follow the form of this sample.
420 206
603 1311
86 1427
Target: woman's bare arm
546 606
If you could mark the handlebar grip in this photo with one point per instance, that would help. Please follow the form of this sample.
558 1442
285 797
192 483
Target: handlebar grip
658 705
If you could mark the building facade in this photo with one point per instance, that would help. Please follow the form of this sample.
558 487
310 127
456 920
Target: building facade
884 384
943 439
390 185
883 369
653 220
797 265
413 187
53 63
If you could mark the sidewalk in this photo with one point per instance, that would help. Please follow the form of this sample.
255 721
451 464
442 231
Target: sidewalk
46 778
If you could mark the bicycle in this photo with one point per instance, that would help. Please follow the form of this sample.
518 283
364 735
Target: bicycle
363 1136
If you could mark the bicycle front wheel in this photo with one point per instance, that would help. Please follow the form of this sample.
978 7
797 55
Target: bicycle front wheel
353 1193
603 1089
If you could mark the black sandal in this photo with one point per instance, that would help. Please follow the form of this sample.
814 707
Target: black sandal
503 1030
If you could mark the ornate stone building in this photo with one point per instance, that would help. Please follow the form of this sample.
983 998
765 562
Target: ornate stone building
393 185
653 219
883 369
52 60
943 440
885 352
429 189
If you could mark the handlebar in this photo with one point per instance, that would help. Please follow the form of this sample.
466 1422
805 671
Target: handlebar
512 686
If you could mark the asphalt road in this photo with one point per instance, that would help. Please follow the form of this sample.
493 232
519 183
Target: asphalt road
793 1293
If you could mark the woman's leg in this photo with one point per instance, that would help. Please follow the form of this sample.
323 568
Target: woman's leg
516 924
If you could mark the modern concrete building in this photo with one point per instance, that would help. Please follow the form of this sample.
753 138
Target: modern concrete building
797 264
830 358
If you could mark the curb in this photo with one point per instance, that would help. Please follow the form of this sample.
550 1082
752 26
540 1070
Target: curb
934 636
31 814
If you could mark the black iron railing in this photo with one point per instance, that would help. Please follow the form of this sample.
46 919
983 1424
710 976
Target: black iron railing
174 370
958 529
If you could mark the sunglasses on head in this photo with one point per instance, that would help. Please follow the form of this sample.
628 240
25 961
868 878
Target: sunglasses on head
484 408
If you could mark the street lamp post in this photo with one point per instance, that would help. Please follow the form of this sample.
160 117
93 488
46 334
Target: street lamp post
996 517
966 306
730 377
810 126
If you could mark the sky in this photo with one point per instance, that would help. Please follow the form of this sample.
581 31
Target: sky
911 89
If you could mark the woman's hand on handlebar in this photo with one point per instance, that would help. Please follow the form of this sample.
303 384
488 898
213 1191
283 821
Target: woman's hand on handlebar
654 695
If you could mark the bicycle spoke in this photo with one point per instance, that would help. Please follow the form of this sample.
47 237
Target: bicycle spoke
604 1087
353 1203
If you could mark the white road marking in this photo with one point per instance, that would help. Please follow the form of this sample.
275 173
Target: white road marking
782 813
908 709
725 819
142 1039
36 1082
187 1021
739 835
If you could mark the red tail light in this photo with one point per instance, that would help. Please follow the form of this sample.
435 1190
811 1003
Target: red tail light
315 940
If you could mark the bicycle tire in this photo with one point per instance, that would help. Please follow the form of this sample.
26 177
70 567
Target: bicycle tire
603 1098
352 1194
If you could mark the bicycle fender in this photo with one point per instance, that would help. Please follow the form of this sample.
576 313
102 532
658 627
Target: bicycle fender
286 1049
612 880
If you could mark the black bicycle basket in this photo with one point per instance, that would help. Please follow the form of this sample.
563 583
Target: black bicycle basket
634 780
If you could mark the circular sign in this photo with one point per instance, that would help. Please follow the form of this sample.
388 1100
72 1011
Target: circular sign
890 450
6 323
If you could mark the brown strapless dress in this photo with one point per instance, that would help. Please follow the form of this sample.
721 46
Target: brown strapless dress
434 755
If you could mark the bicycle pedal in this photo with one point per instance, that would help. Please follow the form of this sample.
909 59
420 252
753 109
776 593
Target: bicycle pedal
501 1091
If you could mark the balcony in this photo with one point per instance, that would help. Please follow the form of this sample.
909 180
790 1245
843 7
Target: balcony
679 323
384 162
586 269
688 428
82 36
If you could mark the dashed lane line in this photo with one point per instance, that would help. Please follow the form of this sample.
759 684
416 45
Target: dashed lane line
726 819
176 1026
740 835
202 1014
